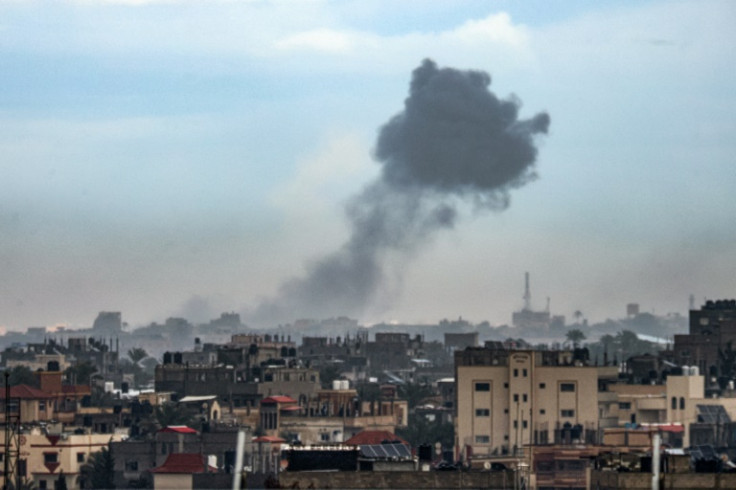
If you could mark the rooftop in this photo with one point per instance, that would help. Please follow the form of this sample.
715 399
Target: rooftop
185 463
373 437
179 429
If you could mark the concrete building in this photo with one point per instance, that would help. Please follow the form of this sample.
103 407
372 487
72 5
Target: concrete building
509 399
45 456
712 328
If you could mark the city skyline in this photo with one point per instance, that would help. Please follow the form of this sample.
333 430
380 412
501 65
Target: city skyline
189 158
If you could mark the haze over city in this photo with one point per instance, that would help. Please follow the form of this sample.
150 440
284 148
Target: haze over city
185 158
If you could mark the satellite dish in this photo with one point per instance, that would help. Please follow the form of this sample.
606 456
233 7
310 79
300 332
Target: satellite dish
487 465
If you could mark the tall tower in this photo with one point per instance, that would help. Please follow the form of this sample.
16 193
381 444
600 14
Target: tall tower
527 293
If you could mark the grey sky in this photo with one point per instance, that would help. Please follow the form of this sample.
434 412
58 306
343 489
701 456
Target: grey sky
167 158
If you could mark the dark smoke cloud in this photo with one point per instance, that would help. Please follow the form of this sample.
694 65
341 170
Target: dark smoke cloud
454 141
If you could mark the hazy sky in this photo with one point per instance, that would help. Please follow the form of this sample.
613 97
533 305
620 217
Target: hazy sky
186 158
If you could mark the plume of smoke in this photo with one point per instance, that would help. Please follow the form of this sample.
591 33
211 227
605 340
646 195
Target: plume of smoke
454 140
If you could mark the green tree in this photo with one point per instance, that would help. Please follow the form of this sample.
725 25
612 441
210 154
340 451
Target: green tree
22 375
414 393
327 374
80 373
421 431
98 472
60 483
575 336
172 414
137 354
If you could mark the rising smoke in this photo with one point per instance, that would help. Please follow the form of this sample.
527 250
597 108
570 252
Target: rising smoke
454 141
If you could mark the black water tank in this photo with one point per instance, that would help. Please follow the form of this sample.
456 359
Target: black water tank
177 358
167 357
425 452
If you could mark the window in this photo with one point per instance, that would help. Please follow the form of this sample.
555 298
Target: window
523 397
682 403
506 385
505 410
50 457
567 413
516 397
482 412
674 403
524 424
568 387
131 466
324 437
80 457
542 386
42 485
542 411
482 439
482 386
524 372
42 405
624 405
516 373
516 424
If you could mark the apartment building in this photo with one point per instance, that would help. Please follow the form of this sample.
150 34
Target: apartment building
45 457
508 399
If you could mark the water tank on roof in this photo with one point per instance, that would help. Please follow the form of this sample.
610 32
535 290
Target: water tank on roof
344 384
686 370
694 371
336 384
109 386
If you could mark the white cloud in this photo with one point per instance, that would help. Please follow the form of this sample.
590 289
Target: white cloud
325 40
312 199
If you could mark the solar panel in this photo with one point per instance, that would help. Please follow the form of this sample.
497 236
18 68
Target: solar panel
385 451
713 414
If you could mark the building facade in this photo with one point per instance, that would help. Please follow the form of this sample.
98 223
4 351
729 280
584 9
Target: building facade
508 399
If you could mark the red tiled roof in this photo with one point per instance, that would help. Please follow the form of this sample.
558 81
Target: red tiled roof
278 399
179 429
292 408
373 437
76 389
271 439
25 392
185 463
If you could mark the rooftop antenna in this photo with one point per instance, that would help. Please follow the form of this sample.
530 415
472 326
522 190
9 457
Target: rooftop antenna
527 293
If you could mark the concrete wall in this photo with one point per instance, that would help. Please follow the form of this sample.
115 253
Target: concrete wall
397 479
611 480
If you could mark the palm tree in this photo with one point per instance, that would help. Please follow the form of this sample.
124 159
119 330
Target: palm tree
137 354
98 472
414 393
172 414
575 336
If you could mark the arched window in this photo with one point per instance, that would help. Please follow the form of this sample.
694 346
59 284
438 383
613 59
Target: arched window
674 403
682 403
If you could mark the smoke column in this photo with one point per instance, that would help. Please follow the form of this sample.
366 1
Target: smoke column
454 141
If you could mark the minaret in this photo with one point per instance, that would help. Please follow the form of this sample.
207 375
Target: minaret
527 293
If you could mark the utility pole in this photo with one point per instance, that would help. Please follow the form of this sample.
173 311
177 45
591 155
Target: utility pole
12 439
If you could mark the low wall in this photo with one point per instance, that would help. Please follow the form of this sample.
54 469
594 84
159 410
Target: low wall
398 479
611 480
